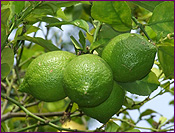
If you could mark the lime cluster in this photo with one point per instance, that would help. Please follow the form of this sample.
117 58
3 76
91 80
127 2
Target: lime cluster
90 80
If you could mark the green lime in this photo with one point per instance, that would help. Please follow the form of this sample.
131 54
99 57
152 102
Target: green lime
88 80
44 76
108 108
130 57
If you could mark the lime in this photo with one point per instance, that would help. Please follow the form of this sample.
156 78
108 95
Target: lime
88 80
108 108
44 76
130 57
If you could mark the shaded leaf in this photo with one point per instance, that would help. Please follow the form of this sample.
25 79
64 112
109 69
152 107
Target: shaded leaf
147 112
3 37
115 13
7 59
128 102
162 19
31 29
149 5
142 87
40 41
82 39
5 70
5 13
166 59
18 32
97 44
111 127
171 102
107 32
75 43
79 23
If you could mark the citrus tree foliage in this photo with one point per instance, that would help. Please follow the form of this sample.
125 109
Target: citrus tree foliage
98 22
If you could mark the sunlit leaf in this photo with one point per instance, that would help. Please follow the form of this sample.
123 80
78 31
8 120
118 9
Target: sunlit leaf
149 5
166 59
162 19
17 6
115 13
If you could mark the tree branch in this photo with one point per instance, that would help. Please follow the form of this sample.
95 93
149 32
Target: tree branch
20 114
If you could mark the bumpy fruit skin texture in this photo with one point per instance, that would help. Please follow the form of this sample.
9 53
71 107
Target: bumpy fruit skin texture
88 80
108 108
44 76
130 57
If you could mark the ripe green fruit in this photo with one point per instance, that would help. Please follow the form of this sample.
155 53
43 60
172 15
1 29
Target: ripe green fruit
108 108
44 76
130 57
88 80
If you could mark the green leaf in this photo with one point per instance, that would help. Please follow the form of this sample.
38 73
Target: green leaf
99 43
162 120
147 112
171 102
79 23
142 87
82 39
111 127
40 41
5 16
149 5
5 70
115 13
162 19
107 32
3 37
166 59
75 43
27 55
60 14
74 107
18 32
152 123
151 33
17 6
7 59
133 130
128 102
31 29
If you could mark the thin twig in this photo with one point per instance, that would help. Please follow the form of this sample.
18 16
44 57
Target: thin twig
38 118
20 114
7 93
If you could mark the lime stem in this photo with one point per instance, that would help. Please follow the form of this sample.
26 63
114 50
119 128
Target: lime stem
141 27
96 31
